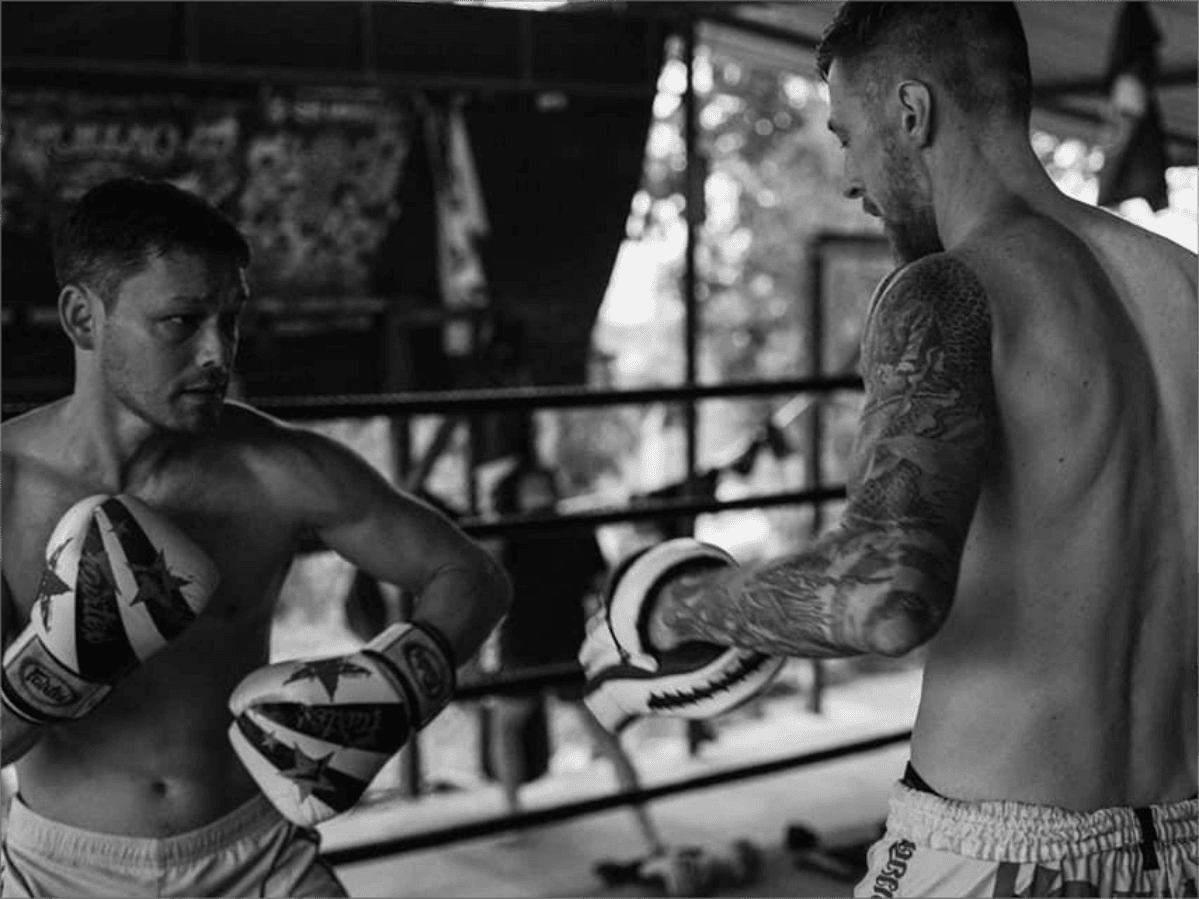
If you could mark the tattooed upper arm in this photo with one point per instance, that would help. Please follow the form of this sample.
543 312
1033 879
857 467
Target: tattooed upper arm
883 580
926 428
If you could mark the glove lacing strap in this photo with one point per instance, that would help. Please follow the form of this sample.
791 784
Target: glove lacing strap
405 681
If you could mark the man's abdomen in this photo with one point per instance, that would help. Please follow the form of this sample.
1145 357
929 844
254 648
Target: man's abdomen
153 759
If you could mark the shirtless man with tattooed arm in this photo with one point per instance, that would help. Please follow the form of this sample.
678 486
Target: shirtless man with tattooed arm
1023 490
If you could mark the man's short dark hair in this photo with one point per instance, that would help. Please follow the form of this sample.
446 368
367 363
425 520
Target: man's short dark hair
120 225
977 52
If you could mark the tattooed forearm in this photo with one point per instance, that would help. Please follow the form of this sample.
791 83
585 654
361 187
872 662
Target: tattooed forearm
884 580
845 595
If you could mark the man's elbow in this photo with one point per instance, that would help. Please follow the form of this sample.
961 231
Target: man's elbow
902 622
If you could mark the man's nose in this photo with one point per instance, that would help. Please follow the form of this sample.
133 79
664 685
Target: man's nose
214 347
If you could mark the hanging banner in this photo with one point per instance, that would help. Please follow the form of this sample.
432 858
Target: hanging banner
58 144
309 174
461 223
322 169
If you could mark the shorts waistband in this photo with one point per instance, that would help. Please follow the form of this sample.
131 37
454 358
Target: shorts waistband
1021 832
34 833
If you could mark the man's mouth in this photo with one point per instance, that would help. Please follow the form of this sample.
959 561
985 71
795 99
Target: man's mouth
870 209
210 391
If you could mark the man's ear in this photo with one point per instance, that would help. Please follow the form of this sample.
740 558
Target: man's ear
916 112
77 314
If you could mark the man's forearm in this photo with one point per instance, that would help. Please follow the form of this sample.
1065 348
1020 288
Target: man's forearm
848 594
465 604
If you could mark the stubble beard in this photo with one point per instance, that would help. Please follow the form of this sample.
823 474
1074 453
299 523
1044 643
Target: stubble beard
155 407
909 221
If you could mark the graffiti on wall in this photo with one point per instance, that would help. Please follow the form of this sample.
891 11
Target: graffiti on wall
320 188
58 144
310 175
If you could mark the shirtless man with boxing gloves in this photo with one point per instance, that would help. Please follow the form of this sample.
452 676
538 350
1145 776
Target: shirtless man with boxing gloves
148 526
1023 497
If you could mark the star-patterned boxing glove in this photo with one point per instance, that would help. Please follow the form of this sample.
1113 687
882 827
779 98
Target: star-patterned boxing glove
119 584
315 733
627 677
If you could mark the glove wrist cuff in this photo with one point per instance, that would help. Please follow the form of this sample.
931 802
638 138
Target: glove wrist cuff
420 660
42 690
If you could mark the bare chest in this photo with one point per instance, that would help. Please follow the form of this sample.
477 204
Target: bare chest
231 518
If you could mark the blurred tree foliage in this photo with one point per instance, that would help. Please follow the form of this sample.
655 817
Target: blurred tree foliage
770 172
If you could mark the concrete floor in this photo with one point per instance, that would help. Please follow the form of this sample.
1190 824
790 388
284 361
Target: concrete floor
844 801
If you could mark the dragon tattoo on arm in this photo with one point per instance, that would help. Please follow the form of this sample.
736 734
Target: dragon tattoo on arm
883 580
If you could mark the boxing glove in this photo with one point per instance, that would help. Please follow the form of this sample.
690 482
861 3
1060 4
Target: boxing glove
314 733
626 677
120 582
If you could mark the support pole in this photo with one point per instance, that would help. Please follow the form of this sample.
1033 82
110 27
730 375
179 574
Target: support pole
815 473
693 214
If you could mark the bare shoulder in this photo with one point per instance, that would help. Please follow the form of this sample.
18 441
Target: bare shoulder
30 446
940 296
273 438
1152 246
1132 258
298 466
940 278
32 431
271 446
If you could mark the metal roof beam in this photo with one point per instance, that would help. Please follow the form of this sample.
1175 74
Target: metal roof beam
219 72
1177 77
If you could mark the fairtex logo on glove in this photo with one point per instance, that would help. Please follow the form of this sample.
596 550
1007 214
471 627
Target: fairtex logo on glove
427 669
44 683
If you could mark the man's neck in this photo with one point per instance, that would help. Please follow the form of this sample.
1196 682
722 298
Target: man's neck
981 181
104 441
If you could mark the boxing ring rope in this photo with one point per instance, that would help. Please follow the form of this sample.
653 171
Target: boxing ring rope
680 509
500 823
449 402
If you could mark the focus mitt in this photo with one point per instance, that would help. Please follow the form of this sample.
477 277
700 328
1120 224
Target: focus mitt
626 677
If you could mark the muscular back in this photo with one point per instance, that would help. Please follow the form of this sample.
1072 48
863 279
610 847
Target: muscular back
1066 671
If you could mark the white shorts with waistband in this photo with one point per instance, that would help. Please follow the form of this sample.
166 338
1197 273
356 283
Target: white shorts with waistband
252 851
942 847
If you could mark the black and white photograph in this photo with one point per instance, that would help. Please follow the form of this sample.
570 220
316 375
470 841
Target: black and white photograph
490 449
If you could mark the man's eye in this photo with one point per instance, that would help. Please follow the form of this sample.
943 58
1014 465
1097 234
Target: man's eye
181 322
